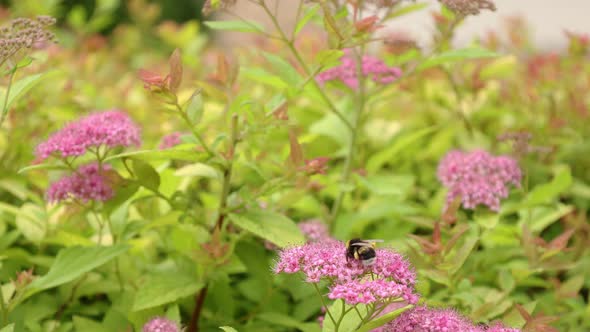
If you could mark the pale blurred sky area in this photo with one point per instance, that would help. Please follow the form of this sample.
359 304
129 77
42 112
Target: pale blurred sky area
547 19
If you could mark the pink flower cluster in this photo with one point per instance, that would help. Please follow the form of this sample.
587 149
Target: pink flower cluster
160 324
424 319
88 183
391 277
110 129
371 66
170 140
314 230
478 177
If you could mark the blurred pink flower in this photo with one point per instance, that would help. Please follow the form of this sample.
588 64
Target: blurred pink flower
160 324
371 67
109 129
478 177
424 319
88 183
170 140
314 230
391 277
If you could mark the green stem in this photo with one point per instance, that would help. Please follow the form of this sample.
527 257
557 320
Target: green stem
360 105
324 303
227 173
193 130
302 63
459 97
4 106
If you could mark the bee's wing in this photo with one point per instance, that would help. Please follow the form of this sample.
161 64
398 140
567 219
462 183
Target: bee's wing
360 244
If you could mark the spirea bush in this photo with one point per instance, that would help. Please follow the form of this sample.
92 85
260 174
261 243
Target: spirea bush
154 180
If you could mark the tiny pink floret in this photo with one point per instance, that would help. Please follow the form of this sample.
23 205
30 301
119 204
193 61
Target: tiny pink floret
478 177
371 67
107 129
160 324
170 140
86 184
391 277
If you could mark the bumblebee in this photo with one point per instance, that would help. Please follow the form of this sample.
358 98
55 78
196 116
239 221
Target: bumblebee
361 250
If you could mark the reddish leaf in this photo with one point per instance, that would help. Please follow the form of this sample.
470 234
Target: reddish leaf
175 62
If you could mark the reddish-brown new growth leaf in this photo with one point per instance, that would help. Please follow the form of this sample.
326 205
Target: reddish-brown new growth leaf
175 62
538 323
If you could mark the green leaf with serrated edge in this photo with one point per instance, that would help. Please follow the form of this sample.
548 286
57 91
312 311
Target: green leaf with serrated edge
456 55
194 108
309 14
166 288
72 263
242 26
383 319
146 175
270 226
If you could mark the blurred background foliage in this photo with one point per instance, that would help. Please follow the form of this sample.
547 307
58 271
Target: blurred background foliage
103 16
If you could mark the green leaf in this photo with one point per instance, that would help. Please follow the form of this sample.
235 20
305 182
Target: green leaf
463 253
186 152
228 329
165 288
545 193
194 108
327 58
405 10
31 221
285 70
281 320
72 263
395 185
8 328
42 167
486 219
147 176
383 319
309 14
390 153
270 226
88 325
243 26
543 216
22 86
457 55
349 322
198 169
262 76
